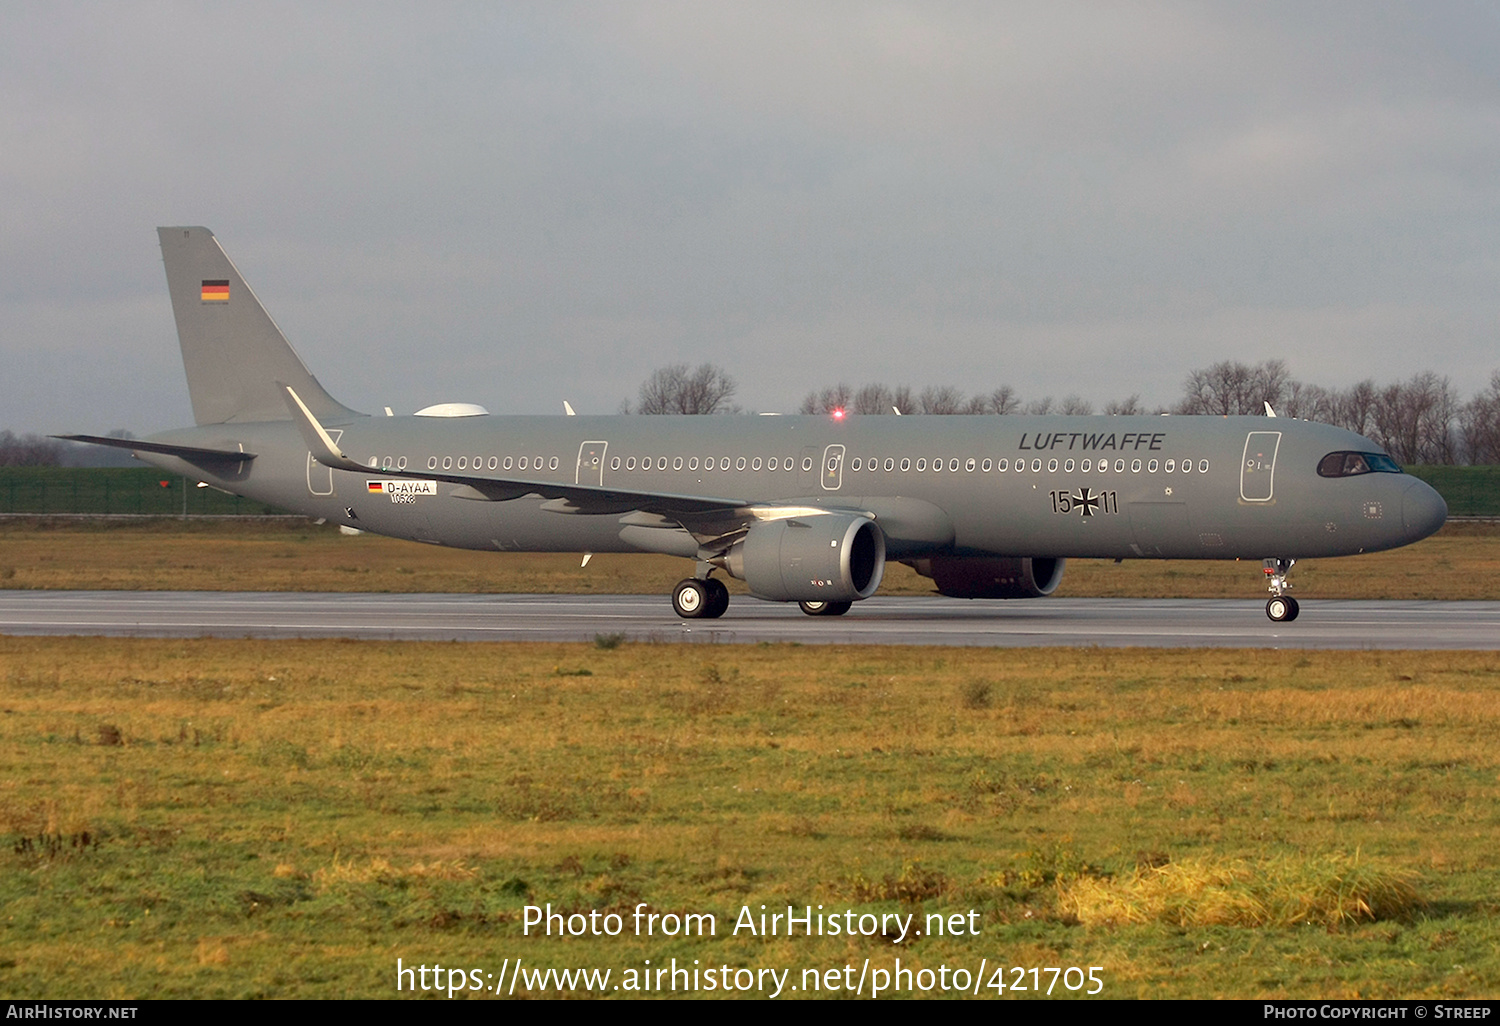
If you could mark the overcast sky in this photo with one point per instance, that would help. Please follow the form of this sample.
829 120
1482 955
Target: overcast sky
517 204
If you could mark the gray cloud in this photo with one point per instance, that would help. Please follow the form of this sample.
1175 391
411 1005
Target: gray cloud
519 204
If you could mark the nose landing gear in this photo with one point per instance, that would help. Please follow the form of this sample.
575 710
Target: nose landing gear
1280 607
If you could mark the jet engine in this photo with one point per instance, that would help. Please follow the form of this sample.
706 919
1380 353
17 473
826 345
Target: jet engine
991 577
829 558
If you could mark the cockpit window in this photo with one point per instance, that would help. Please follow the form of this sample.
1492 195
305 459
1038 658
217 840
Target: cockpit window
1352 464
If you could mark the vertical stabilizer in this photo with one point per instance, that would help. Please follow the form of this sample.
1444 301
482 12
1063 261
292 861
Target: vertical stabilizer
233 352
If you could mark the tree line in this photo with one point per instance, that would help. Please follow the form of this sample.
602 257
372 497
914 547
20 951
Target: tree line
1419 420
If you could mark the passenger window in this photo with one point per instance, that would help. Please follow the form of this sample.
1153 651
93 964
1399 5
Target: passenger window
1002 466
1086 466
507 464
969 464
677 463
463 463
629 463
1051 466
905 465
1068 466
1036 466
494 462
1203 466
921 465
693 463
739 464
614 464
1171 466
1151 467
432 463
987 465
807 463
1135 466
401 463
1119 466
447 462
953 465
661 463
755 463
856 464
724 463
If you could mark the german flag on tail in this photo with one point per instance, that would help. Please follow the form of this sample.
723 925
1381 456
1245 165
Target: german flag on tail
216 291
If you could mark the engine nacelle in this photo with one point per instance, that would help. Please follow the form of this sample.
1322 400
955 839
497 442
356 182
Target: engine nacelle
990 577
830 558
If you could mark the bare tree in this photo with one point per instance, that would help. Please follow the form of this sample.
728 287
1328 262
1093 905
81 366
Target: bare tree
901 399
872 400
1309 402
1354 408
1414 420
1040 407
676 389
1003 401
1234 389
1125 408
828 399
29 451
1480 422
1074 406
941 400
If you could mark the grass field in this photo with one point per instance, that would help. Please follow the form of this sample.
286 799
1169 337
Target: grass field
1460 562
234 818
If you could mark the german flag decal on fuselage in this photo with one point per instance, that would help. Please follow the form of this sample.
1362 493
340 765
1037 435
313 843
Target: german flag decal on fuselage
216 291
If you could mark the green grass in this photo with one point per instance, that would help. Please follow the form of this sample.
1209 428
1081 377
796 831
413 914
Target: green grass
235 818
1469 491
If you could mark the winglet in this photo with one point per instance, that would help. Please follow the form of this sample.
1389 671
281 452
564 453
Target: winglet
1269 412
568 408
319 442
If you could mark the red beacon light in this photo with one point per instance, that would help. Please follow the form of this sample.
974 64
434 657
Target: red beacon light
838 414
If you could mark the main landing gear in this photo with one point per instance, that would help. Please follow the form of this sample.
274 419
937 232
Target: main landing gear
1280 607
700 599
825 608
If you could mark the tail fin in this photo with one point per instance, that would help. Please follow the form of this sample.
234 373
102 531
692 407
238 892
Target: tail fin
233 352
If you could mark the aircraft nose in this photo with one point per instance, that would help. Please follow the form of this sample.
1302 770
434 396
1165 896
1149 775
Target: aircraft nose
1423 510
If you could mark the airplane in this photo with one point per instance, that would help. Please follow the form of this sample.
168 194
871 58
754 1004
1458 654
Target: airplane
802 509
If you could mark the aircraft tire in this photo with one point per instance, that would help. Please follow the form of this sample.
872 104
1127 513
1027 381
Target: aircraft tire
1282 609
690 599
825 608
718 598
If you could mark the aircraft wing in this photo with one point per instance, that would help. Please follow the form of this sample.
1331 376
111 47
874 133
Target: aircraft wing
564 498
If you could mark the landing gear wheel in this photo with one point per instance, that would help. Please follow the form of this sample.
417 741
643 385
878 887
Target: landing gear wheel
825 608
718 598
1282 609
690 598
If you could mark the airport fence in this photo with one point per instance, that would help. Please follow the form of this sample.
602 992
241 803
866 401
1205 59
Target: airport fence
115 491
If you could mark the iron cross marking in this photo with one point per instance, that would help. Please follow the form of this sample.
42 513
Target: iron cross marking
1085 502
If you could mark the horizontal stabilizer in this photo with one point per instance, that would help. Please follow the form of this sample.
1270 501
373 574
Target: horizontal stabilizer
187 452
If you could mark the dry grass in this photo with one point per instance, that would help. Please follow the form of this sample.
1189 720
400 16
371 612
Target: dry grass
1461 562
1330 890
330 805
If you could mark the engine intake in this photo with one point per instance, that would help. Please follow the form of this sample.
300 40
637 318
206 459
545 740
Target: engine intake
832 558
991 577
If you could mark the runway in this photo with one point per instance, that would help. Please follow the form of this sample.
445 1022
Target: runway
879 621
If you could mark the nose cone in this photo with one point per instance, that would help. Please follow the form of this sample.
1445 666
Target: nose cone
1423 510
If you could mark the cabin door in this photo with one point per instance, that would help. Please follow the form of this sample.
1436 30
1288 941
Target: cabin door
319 477
1258 468
590 463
